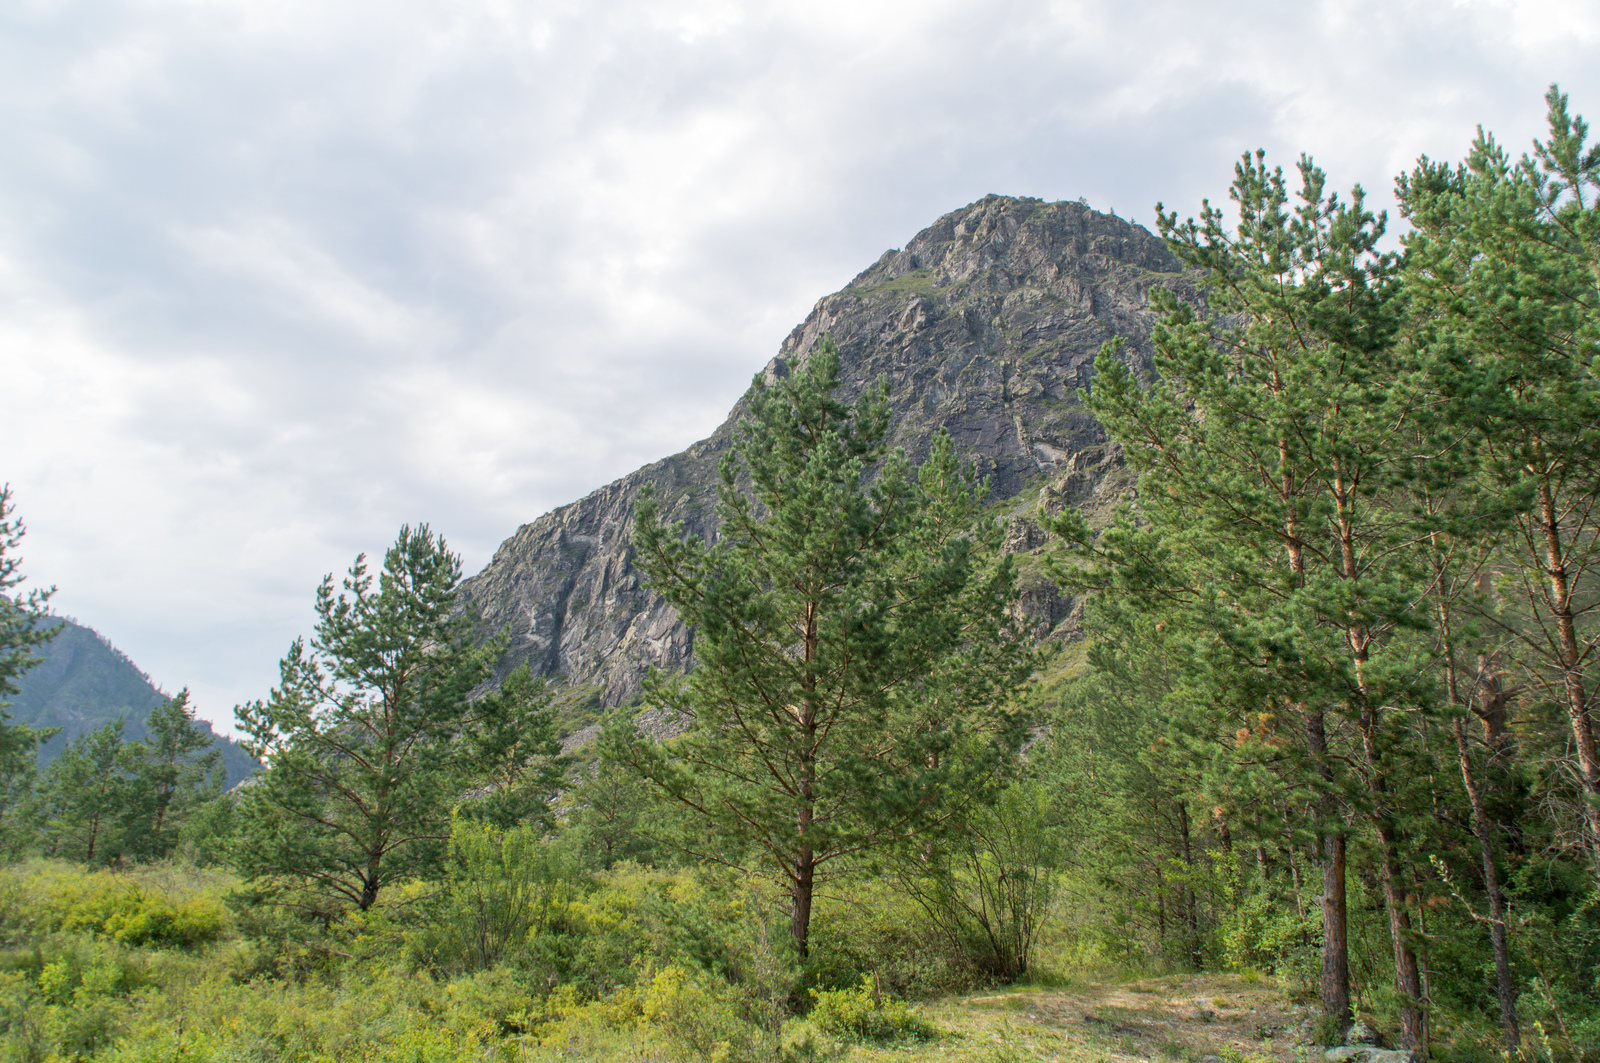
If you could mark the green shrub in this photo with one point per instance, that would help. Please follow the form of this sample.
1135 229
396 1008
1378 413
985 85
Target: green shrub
990 889
863 1013
494 996
882 932
703 1019
638 919
165 905
131 916
1266 932
672 1013
502 888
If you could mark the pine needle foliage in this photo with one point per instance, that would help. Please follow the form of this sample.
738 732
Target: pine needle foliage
373 735
855 650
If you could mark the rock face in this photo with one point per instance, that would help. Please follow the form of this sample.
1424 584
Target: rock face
986 325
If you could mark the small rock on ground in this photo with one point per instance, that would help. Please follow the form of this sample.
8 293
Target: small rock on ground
1366 1054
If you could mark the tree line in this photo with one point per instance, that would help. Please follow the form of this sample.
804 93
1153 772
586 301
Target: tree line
1355 603
103 799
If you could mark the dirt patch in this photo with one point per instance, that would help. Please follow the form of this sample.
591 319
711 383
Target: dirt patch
1180 1018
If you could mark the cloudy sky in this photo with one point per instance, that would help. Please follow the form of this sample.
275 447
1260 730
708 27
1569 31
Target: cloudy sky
277 276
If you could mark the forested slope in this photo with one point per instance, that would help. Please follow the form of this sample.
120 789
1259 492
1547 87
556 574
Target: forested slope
84 682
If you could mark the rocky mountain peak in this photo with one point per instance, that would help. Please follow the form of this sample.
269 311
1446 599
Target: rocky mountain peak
986 324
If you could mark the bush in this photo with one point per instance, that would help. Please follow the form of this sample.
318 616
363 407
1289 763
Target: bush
991 887
703 1019
66 997
863 1013
503 890
1267 932
881 932
129 915
167 905
637 919
672 1013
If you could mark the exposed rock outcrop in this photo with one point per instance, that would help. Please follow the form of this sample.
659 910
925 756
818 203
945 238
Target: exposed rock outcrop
986 325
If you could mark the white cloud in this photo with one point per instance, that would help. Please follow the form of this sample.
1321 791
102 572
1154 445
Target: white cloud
296 277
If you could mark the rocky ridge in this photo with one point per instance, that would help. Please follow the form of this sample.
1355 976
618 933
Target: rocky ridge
986 324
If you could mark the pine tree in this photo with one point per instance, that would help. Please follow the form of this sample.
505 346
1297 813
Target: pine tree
176 768
23 627
21 615
1275 451
854 653
369 738
1503 266
90 798
516 755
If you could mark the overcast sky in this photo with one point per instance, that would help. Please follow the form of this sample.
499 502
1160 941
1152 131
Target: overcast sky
277 276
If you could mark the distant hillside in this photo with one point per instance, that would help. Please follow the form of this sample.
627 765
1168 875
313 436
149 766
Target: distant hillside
84 682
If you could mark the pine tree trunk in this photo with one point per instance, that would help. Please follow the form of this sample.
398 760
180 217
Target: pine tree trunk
1191 921
1161 909
155 826
803 872
1413 1017
1505 989
370 881
1292 859
1407 975
1407 978
1335 981
802 880
1491 709
1572 672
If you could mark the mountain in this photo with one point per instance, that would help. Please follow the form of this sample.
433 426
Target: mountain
986 325
84 682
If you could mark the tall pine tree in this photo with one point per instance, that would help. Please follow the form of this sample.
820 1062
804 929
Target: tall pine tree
23 626
1504 265
854 650
176 768
1274 460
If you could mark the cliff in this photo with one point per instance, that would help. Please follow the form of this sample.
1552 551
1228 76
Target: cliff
986 325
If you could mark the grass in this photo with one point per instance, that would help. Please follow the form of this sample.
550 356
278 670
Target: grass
916 282
1084 1021
71 986
576 708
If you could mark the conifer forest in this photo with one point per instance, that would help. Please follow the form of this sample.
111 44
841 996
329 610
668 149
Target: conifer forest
1314 776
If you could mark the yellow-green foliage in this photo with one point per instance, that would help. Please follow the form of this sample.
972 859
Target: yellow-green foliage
501 889
676 1013
383 1017
169 906
650 964
135 918
879 928
864 1013
643 965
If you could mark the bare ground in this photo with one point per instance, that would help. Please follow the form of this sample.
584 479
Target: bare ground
1179 1019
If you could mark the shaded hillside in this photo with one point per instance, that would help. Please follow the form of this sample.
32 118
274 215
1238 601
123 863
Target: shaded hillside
986 325
84 682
